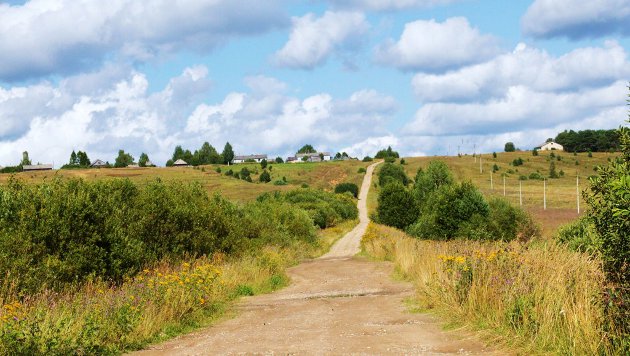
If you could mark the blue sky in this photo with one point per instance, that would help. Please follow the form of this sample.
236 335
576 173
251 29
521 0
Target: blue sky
428 77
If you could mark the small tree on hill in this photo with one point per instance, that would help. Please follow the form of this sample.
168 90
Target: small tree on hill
228 153
84 160
307 149
142 161
279 160
396 206
73 159
123 159
509 147
265 177
263 164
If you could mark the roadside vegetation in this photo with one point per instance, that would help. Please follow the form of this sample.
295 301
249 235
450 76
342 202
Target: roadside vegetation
480 261
106 266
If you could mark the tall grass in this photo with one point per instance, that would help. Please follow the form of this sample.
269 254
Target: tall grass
537 297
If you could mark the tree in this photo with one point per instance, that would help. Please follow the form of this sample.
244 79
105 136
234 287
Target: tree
509 147
142 161
279 160
307 149
84 160
427 181
207 155
263 164
387 153
347 187
123 159
228 153
552 170
396 206
392 173
73 159
25 160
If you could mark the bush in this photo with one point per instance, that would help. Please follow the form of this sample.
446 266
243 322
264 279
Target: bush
368 159
517 162
436 175
580 236
361 170
218 170
392 173
265 177
229 173
451 211
347 187
325 209
534 152
75 230
244 173
536 175
280 182
396 206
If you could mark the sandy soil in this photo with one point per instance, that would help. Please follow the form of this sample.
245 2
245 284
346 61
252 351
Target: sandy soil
337 304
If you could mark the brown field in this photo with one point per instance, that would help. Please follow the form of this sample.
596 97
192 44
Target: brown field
323 175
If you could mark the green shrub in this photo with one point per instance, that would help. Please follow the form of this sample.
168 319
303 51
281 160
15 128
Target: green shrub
522 177
280 182
218 170
536 175
368 159
347 187
361 170
229 173
517 162
447 211
396 206
66 231
265 177
581 236
436 175
392 173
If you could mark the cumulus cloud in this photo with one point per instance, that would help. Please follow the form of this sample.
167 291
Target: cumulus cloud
434 46
576 19
313 40
42 37
528 67
385 5
50 120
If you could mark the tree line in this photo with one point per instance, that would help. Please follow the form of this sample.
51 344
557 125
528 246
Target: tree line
589 140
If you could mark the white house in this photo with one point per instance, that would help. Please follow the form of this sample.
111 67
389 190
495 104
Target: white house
180 163
243 159
98 164
549 146
311 157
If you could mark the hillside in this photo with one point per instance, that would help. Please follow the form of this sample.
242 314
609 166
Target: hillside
323 175
561 192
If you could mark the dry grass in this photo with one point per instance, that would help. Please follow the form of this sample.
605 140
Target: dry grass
538 298
324 175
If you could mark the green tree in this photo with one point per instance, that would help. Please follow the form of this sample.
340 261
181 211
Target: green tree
427 181
307 149
83 159
387 153
390 172
552 170
347 187
73 159
509 147
263 164
208 154
279 160
123 159
228 153
396 206
142 161
25 160
534 152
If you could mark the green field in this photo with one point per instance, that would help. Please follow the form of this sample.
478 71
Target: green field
323 175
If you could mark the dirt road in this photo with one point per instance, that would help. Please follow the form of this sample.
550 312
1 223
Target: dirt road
337 304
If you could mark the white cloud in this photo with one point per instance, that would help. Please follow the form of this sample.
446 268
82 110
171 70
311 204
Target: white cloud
44 37
577 19
125 115
528 67
385 5
313 40
431 46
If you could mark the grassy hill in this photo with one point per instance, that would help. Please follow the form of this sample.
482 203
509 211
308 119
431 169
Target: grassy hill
324 175
561 192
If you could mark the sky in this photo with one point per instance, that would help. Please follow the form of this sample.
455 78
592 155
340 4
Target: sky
428 77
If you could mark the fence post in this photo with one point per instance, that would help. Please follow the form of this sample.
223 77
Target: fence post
491 182
577 192
544 194
520 192
480 166
503 185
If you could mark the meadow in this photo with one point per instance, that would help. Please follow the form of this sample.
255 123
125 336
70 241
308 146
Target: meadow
323 175
561 192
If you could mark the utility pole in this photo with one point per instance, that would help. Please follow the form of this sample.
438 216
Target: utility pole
480 166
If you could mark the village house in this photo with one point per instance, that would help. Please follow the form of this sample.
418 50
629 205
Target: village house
310 157
249 158
98 164
37 167
549 146
180 163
